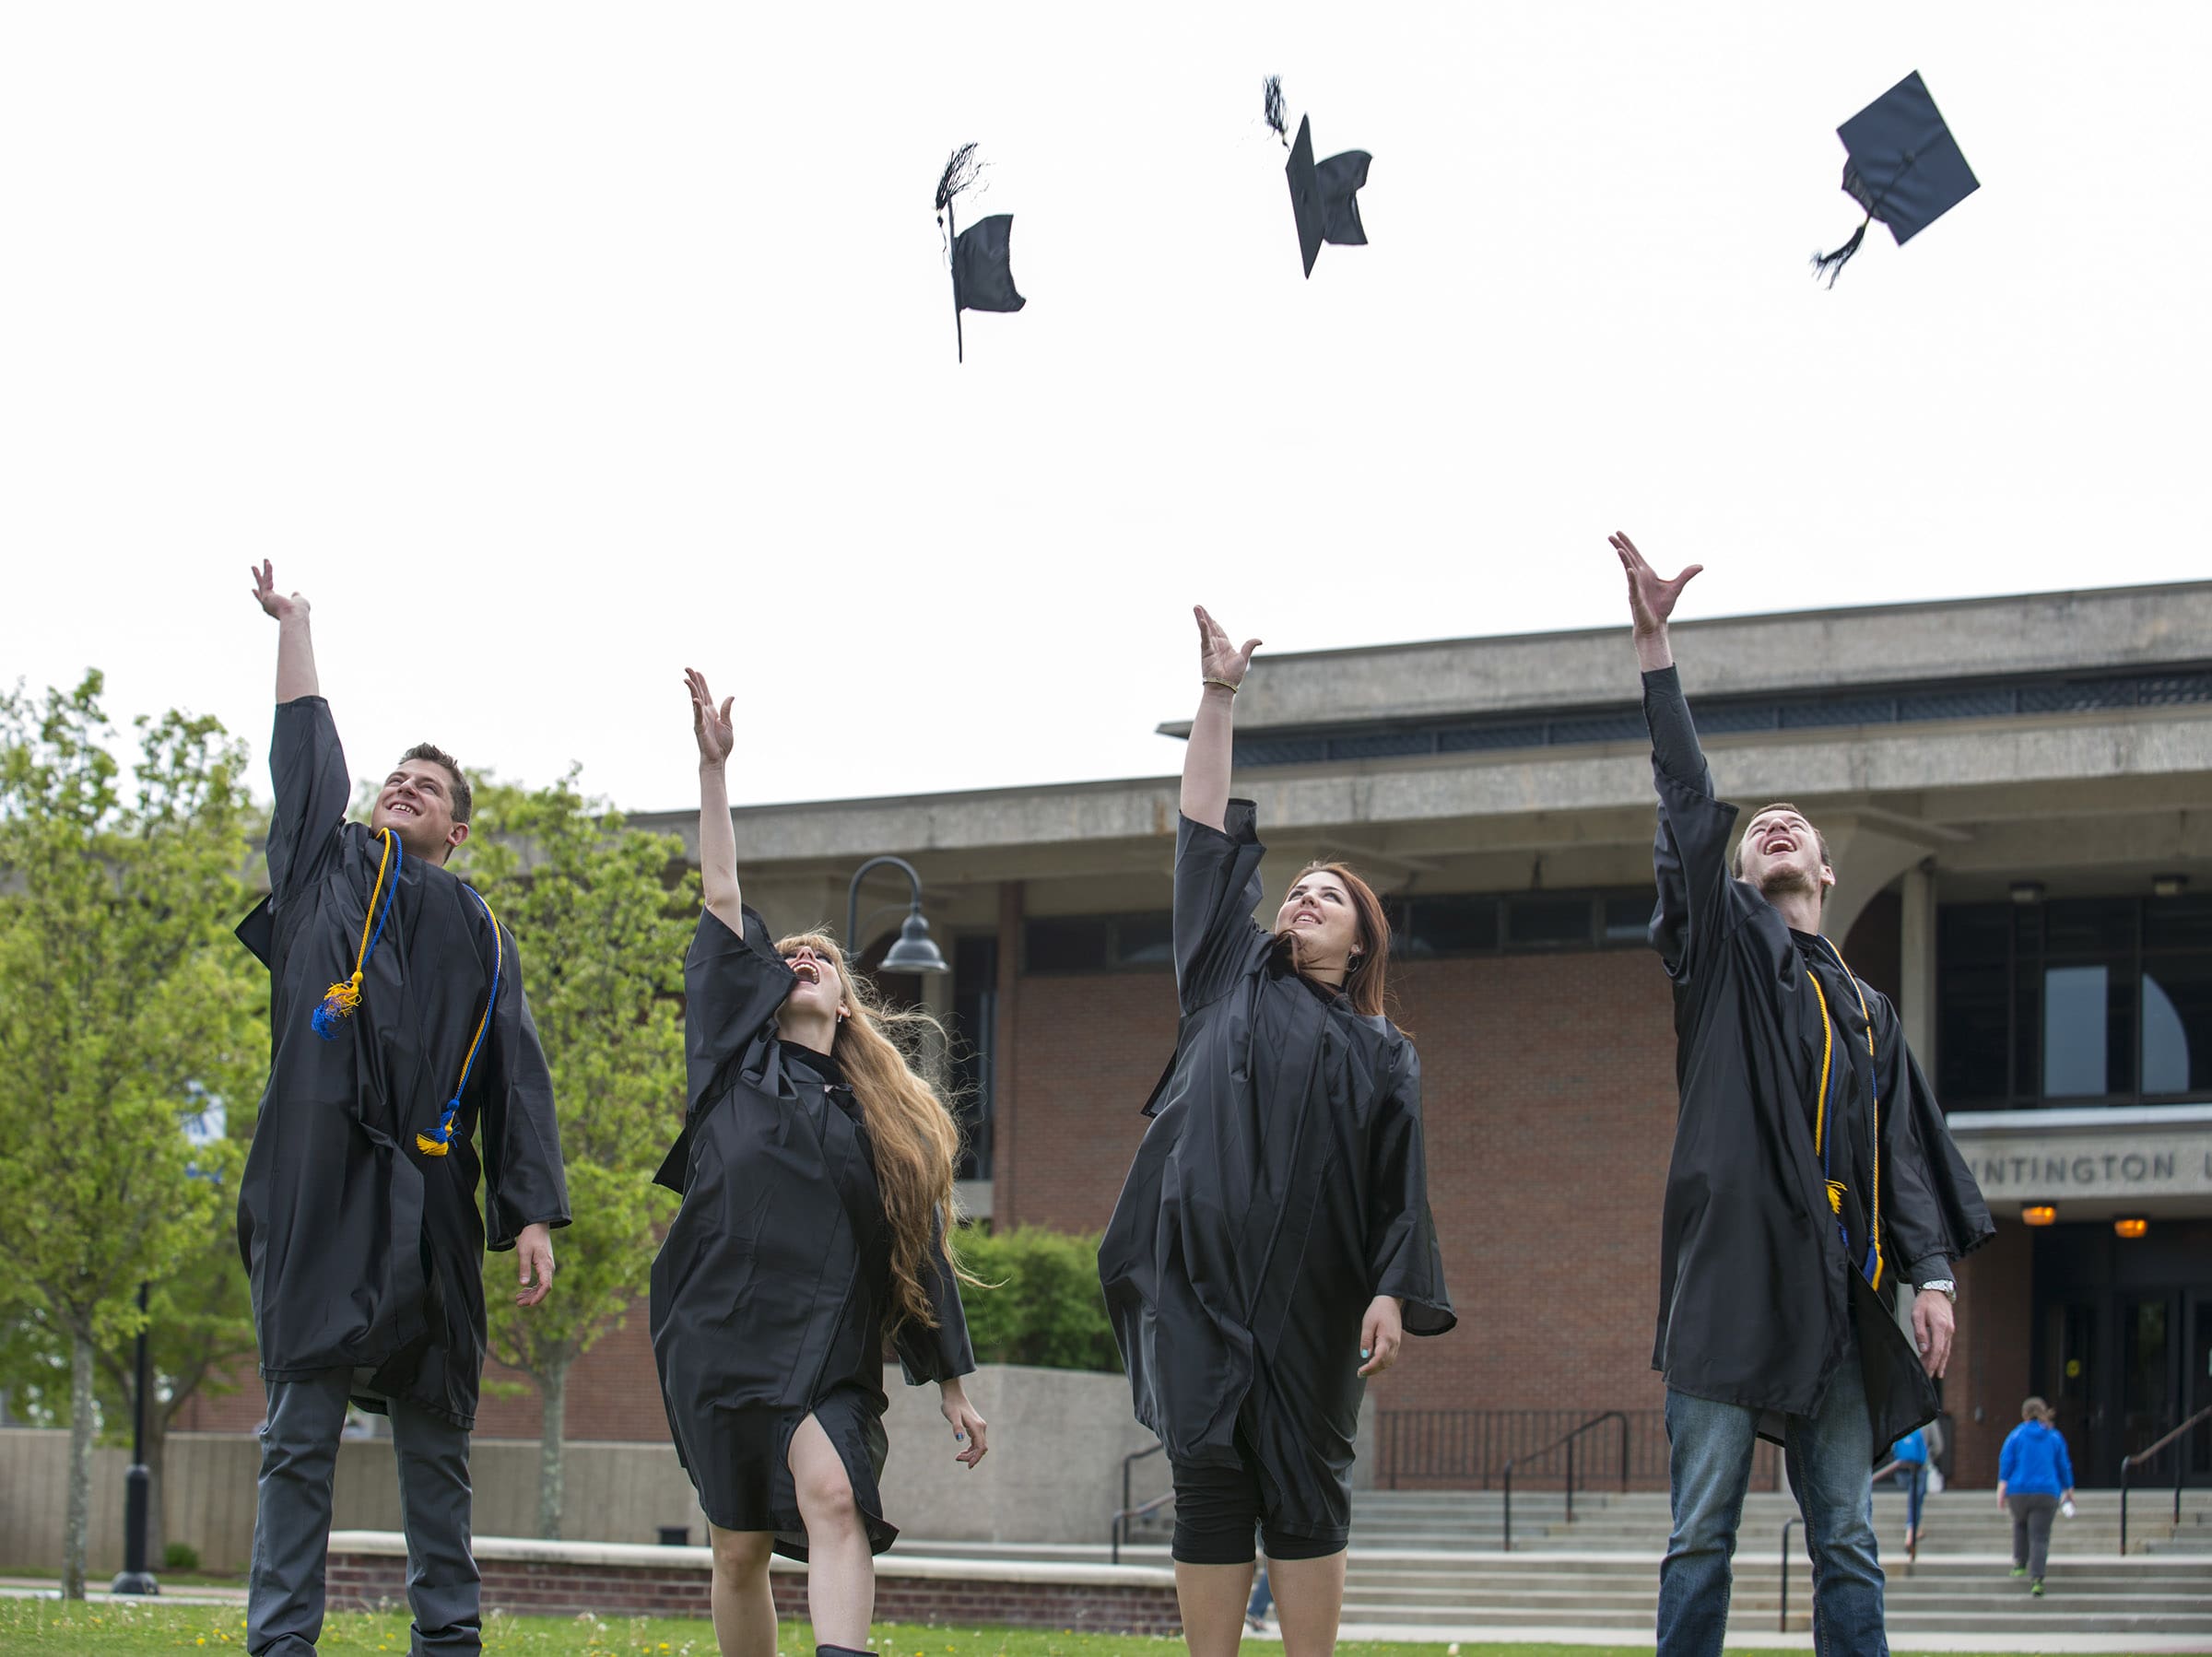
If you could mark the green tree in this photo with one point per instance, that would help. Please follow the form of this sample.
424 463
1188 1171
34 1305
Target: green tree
121 993
200 1340
1045 1307
602 933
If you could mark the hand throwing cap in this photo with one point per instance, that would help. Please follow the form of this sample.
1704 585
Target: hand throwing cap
1904 168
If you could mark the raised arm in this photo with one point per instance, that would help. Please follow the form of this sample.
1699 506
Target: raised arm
1206 761
717 839
295 641
1689 850
1652 601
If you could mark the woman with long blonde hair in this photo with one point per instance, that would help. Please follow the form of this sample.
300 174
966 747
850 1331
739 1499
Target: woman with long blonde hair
1272 1246
816 1170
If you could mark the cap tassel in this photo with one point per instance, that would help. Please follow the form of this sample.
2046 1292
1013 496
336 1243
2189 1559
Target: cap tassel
440 1143
338 1003
1835 1196
1271 89
1833 263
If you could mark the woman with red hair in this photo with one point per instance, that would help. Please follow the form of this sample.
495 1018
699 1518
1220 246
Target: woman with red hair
1272 1245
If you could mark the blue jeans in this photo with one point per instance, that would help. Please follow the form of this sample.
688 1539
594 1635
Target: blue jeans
1912 1479
1830 1461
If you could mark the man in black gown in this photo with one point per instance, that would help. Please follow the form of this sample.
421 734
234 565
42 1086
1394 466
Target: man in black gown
400 1038
1811 1170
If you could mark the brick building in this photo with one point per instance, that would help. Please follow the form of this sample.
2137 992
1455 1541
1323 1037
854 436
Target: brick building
2018 793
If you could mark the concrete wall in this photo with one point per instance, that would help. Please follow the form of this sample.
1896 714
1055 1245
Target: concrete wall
1052 1474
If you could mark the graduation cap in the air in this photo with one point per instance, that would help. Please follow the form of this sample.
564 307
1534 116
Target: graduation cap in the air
983 274
1325 195
1903 166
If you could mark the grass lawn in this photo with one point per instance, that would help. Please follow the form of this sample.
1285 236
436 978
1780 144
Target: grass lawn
48 1626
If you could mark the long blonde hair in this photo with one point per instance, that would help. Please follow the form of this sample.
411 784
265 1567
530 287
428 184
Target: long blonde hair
916 1141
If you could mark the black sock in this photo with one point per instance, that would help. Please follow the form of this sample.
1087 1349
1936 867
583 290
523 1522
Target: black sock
840 1652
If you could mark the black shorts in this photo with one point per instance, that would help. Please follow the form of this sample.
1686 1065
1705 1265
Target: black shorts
1217 1510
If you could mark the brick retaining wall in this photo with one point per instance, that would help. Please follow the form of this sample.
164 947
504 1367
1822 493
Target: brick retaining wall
369 1570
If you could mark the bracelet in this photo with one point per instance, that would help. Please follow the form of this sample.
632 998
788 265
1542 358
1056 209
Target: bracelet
1224 684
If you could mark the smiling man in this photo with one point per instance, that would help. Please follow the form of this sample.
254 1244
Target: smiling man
400 1040
1812 1172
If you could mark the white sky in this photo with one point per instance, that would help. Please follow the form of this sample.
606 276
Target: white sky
550 348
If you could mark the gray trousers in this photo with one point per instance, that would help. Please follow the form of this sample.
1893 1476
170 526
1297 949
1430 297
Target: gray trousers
291 1525
2031 1516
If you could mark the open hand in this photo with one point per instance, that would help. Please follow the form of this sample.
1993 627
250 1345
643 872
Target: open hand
1650 598
284 607
709 724
533 1263
967 1428
1381 1333
1218 659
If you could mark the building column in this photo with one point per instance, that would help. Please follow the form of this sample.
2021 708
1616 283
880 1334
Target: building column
1916 962
1916 995
1004 1083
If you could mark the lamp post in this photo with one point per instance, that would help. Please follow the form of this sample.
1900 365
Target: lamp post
914 951
135 1577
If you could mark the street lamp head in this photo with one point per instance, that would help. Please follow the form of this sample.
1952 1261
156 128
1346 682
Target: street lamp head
914 951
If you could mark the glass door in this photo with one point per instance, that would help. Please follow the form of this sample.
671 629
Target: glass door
2072 1374
2150 1355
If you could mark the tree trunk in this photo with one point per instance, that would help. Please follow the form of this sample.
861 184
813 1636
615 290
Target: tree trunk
553 1397
76 1525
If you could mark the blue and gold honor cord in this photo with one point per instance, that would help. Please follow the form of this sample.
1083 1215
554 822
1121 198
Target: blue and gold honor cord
342 997
438 1142
1871 1269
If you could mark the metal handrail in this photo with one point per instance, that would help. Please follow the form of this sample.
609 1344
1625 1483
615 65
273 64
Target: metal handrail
1567 1440
1125 1512
1789 1524
2128 1462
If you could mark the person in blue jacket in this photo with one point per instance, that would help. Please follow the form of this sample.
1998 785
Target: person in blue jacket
2034 1477
1910 1454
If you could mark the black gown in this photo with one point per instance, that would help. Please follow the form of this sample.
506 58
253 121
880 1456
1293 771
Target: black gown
1759 1293
1280 1188
773 1290
362 1252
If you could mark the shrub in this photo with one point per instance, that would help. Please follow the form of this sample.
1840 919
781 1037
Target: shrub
180 1556
1047 1309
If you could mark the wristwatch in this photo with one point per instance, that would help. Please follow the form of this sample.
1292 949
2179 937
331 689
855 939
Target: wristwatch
1948 1288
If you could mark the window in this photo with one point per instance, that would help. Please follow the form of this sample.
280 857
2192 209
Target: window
1457 924
974 1041
1517 923
2080 1001
1099 943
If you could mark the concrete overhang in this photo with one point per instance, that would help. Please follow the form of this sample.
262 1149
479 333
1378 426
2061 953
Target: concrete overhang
2094 631
1938 787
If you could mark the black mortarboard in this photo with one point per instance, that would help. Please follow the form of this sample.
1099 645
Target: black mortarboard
983 274
257 932
1325 195
982 280
1903 166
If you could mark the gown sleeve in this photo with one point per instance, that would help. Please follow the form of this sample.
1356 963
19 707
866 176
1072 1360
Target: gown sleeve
943 1353
1698 899
307 771
524 1181
1402 1252
1217 887
1932 1209
733 985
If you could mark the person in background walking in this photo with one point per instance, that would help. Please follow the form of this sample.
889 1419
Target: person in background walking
2034 1475
1910 1454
